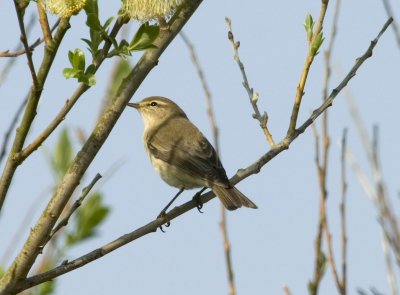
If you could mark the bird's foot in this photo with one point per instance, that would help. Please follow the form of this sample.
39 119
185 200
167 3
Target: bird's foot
167 223
199 203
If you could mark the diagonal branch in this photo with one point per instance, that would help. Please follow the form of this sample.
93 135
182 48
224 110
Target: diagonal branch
253 97
74 206
82 88
152 226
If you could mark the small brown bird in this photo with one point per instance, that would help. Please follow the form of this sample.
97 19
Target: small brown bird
181 154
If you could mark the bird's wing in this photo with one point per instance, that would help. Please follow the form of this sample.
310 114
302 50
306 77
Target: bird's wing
193 155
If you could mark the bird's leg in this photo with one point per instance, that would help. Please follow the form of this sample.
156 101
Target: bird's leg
163 211
197 199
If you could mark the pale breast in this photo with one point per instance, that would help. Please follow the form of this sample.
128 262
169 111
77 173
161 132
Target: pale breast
175 176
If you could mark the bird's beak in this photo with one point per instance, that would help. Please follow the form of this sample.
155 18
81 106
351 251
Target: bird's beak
134 105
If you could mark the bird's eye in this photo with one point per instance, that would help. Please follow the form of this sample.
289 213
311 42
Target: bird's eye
153 104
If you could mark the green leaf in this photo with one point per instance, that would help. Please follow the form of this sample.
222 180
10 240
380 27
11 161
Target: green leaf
90 70
92 7
71 73
93 22
92 12
122 69
309 22
311 288
309 25
45 288
319 39
87 219
322 262
144 37
108 22
62 155
91 80
71 57
78 60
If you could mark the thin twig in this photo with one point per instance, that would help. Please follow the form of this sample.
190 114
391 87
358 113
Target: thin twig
18 232
358 122
152 226
306 68
361 176
389 265
13 160
342 207
395 27
287 290
24 40
387 218
10 128
322 166
82 88
21 51
85 191
206 89
215 132
319 269
253 97
11 62
44 23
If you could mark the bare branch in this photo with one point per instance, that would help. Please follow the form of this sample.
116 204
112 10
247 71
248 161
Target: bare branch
19 52
395 27
214 128
253 97
44 23
10 128
24 40
389 265
227 250
287 290
343 213
206 89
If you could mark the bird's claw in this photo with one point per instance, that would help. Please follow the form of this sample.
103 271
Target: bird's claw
167 223
199 204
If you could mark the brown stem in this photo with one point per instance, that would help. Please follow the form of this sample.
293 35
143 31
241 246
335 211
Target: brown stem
306 69
253 97
44 23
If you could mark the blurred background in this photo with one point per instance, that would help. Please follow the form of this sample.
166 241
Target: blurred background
272 246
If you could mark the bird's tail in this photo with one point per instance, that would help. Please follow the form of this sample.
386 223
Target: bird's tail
232 198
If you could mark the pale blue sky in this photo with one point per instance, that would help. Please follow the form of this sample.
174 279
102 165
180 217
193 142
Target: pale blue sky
271 246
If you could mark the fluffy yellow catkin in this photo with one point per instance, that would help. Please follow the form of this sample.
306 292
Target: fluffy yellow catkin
64 8
145 10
